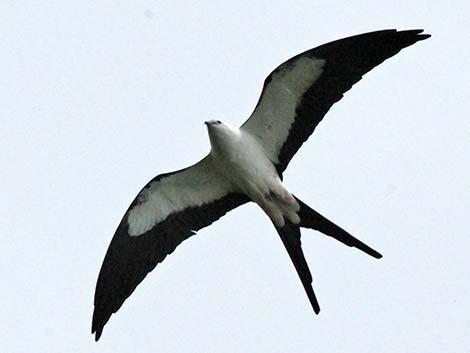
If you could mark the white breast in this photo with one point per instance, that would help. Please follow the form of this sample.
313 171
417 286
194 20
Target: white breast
242 160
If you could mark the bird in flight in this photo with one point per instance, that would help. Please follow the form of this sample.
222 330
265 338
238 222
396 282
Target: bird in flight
245 164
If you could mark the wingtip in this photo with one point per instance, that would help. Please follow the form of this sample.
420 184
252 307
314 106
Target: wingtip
378 255
418 33
375 254
424 36
421 35
97 334
97 331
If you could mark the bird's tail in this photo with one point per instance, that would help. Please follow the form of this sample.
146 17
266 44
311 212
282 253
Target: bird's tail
290 236
310 218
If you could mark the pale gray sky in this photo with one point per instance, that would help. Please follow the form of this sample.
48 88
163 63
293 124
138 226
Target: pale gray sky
98 97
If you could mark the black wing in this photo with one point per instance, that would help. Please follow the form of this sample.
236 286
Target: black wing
297 95
130 256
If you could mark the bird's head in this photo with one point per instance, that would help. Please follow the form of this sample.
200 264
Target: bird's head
219 132
212 123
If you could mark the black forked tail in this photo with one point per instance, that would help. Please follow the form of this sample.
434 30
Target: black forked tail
290 236
313 220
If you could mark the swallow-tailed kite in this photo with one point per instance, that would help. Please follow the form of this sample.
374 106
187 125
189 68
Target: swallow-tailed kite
245 164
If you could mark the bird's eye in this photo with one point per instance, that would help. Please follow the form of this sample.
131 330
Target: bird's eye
218 122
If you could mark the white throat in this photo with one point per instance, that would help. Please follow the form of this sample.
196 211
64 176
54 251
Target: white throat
243 162
223 137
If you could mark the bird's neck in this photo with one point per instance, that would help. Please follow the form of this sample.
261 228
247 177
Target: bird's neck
223 139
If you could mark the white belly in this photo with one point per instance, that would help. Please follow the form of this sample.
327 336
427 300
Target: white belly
242 161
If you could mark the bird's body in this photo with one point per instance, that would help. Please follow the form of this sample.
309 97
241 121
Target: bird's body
245 165
239 159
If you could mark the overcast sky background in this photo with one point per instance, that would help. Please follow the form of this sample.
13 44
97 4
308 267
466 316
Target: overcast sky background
99 97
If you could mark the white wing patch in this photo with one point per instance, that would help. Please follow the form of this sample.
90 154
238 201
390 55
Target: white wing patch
192 187
275 113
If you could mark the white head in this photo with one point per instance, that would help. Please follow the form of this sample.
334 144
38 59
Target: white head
220 133
210 123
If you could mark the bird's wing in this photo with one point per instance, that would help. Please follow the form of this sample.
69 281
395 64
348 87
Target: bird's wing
298 93
168 210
